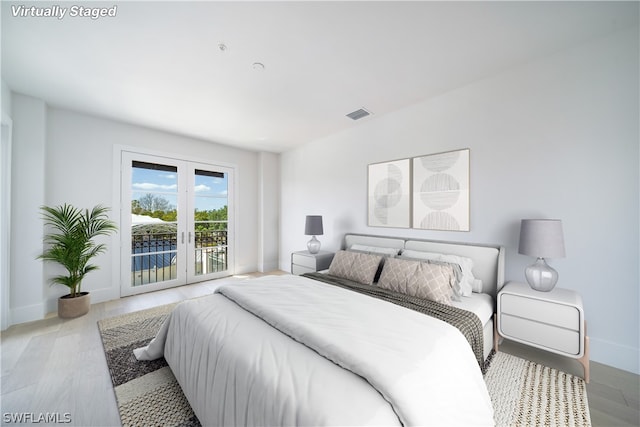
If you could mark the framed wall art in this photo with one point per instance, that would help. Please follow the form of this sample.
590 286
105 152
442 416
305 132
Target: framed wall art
441 191
389 194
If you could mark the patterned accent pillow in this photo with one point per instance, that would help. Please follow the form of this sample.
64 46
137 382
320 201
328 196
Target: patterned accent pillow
384 252
457 291
468 283
355 266
419 279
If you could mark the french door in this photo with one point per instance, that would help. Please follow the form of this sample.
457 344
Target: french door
176 223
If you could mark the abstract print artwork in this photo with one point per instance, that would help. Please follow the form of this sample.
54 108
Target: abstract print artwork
441 191
389 194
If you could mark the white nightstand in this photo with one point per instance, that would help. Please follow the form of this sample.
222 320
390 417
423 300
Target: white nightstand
306 262
552 321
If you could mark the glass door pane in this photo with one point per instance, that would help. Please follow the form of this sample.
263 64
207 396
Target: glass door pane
210 222
176 220
154 223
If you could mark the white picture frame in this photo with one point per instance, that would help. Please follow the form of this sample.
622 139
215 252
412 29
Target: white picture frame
389 194
441 191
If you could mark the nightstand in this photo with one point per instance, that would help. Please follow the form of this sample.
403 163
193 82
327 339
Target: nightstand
306 262
552 321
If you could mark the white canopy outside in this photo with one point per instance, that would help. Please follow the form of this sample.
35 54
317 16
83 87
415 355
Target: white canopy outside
144 219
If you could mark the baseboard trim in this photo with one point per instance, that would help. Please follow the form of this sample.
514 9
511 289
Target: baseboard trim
104 295
617 355
27 313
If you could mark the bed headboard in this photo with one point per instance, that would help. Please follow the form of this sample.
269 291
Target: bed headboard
488 260
379 241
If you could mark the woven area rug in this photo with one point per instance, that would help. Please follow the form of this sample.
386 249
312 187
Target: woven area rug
146 391
523 393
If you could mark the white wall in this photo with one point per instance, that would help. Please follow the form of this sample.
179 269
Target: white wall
27 195
79 170
269 211
557 138
5 93
5 204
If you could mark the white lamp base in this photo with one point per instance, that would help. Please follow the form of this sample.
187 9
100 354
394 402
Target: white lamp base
540 276
313 245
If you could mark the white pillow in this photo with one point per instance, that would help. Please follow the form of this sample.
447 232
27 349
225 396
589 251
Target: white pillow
375 250
468 282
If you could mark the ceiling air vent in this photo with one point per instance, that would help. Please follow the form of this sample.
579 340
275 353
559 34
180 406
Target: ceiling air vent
358 114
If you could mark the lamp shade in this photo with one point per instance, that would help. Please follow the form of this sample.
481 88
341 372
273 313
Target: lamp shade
313 225
541 238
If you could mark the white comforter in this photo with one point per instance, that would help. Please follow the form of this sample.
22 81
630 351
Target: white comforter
238 366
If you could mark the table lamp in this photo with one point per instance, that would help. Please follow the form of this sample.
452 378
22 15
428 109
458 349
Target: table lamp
541 238
313 227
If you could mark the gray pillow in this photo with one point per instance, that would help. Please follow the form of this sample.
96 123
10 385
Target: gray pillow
419 279
384 253
457 271
355 266
468 283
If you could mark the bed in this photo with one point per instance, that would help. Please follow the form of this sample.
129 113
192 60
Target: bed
322 349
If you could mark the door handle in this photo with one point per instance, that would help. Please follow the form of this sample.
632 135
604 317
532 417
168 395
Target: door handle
183 237
189 237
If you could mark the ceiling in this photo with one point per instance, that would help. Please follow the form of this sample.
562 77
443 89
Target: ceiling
159 64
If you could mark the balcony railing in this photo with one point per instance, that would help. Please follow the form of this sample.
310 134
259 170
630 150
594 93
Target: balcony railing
154 254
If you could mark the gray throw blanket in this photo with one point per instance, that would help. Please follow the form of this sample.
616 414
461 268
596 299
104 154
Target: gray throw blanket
467 322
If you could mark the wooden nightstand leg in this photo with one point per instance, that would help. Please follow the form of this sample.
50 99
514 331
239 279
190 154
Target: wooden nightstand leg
584 360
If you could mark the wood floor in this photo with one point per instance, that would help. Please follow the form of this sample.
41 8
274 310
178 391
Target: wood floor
57 368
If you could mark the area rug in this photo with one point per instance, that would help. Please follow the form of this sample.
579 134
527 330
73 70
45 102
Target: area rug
523 393
147 393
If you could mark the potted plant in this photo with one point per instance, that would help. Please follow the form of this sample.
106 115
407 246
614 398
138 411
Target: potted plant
71 244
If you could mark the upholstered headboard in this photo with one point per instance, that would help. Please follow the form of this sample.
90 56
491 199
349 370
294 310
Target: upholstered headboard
488 260
379 241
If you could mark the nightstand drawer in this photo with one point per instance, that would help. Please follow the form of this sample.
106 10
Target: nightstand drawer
304 261
300 269
539 334
561 315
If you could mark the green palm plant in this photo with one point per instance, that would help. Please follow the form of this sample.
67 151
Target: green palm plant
71 241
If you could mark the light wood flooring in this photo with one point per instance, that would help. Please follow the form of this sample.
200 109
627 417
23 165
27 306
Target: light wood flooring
56 366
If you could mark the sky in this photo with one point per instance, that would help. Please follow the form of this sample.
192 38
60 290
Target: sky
210 192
